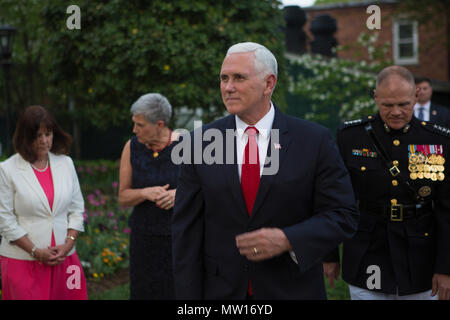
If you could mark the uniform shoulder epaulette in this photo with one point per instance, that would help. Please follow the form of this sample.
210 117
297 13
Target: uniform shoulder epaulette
443 131
352 123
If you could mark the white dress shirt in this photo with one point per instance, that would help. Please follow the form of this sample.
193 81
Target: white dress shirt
262 139
426 110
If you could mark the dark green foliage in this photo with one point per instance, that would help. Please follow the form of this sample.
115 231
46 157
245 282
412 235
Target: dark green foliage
127 48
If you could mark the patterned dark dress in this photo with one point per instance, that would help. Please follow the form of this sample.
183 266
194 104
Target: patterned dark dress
150 239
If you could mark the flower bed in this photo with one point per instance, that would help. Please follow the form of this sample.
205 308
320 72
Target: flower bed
104 246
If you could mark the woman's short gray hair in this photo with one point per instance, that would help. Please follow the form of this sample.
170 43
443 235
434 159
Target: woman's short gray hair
154 107
265 61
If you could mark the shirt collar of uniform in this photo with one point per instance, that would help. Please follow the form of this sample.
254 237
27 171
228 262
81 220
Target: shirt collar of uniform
264 125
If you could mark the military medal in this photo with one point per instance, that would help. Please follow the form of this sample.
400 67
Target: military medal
426 161
424 191
421 157
413 158
364 152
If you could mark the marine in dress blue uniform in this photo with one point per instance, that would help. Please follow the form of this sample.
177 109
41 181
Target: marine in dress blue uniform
399 171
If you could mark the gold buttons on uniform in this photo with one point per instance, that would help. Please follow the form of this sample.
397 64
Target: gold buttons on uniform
423 123
395 163
363 168
426 234
394 183
394 201
396 142
369 117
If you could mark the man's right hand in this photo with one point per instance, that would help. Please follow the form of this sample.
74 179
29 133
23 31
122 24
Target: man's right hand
331 270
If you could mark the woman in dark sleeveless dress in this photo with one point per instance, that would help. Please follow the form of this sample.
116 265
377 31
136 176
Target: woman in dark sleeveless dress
148 182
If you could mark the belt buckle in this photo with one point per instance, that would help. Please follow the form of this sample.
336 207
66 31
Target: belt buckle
397 212
394 171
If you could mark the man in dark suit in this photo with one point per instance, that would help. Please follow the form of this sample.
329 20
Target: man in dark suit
258 226
399 171
425 110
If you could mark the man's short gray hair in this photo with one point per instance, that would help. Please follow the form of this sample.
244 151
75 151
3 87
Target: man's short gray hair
265 61
402 72
154 107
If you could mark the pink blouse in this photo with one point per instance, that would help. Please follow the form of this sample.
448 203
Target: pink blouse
46 181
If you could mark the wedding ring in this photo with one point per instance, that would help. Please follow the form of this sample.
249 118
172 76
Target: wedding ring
169 202
255 250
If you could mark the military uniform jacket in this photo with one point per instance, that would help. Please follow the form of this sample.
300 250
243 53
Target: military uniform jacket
410 251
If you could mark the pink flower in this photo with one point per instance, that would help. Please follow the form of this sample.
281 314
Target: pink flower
126 230
85 216
110 214
80 169
115 184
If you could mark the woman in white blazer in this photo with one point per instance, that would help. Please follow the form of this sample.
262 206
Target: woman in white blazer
41 213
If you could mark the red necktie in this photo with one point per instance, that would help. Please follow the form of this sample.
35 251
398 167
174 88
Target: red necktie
250 169
250 175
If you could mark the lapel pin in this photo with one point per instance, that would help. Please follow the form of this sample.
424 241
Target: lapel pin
277 146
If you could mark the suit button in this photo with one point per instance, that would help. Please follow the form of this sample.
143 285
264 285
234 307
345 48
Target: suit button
396 142
394 201
363 168
395 163
394 183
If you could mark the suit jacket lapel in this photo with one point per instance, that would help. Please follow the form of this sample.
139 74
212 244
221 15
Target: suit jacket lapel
279 123
33 182
231 170
57 177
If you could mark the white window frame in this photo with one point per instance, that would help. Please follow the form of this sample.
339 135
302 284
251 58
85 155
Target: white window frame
396 42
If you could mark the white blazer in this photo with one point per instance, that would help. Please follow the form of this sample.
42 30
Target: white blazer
24 208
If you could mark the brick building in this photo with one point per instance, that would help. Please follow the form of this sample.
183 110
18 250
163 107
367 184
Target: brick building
423 49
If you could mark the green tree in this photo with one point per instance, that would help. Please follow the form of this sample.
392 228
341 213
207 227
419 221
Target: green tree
127 48
124 49
27 81
337 89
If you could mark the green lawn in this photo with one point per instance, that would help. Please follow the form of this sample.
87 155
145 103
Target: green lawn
122 292
340 291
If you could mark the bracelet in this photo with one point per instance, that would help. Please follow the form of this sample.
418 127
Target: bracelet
33 252
71 238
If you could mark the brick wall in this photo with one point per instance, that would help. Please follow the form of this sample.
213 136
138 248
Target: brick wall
351 21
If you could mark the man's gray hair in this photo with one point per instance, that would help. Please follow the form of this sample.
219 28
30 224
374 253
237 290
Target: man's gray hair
265 61
154 107
402 72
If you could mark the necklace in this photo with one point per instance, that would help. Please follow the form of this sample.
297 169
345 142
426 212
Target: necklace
40 170
157 151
